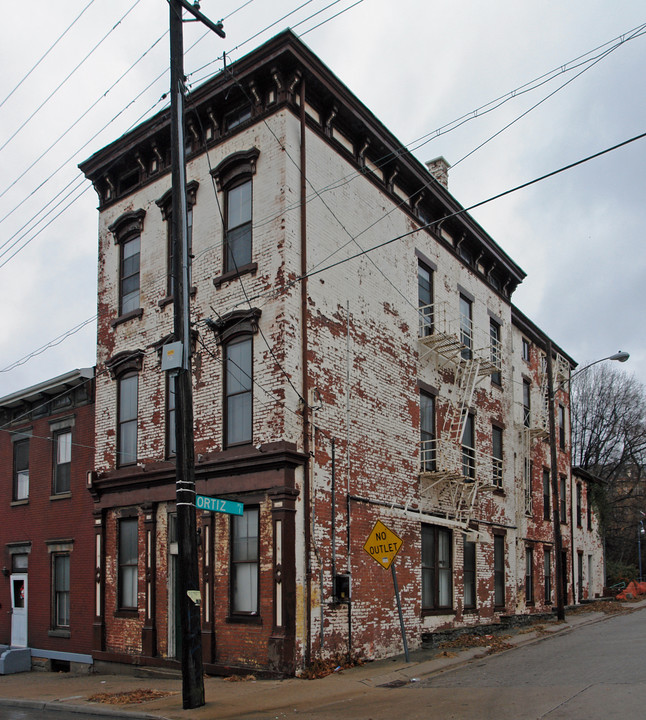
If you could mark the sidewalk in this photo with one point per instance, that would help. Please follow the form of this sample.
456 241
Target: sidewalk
225 699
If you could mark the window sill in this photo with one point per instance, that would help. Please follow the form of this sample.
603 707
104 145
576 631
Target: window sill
250 268
126 613
439 611
127 316
499 491
59 633
470 611
24 501
61 496
245 619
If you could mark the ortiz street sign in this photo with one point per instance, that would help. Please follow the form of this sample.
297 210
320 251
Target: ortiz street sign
383 545
230 507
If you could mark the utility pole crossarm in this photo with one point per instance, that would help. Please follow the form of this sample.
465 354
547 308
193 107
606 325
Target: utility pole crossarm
194 10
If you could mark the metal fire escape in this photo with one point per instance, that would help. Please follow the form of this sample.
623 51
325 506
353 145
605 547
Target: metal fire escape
452 471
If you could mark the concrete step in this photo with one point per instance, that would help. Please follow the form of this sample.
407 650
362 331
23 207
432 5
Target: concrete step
14 660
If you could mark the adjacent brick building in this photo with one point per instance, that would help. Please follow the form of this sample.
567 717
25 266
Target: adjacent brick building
46 534
356 357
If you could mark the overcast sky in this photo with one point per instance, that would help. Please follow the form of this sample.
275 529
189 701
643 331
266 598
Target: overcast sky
419 65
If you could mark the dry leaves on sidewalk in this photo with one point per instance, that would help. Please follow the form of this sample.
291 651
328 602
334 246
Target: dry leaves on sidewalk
140 695
493 643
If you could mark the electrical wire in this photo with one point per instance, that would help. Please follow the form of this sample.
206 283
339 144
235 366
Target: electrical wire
67 77
51 47
86 112
52 343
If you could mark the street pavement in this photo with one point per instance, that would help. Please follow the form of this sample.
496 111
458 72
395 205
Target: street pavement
590 666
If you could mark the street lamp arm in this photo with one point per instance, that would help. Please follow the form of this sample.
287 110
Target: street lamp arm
620 356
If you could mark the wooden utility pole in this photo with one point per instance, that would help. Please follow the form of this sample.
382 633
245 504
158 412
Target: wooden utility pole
189 581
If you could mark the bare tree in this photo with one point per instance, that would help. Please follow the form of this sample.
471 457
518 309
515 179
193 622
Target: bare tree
609 441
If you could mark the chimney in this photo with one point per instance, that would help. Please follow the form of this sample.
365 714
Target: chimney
439 169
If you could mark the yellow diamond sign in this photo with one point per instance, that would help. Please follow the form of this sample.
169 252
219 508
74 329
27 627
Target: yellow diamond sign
383 545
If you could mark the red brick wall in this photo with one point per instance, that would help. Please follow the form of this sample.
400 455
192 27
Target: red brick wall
44 519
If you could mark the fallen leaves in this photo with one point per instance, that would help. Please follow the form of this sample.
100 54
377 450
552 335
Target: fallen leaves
322 667
141 695
493 643
241 678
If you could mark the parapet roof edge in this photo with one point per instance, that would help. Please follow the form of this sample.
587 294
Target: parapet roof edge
530 328
73 377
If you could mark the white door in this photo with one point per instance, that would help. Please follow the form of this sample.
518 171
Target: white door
19 610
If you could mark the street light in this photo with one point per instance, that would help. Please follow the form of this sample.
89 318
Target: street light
640 532
620 356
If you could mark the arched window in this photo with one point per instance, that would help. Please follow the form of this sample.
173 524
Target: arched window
233 177
127 231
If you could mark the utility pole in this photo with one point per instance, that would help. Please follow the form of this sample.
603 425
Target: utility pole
558 540
189 581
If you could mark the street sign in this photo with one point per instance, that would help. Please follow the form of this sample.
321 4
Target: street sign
230 507
383 545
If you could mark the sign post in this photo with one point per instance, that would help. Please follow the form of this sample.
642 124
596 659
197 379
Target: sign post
383 545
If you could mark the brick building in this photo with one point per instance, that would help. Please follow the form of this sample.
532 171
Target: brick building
46 534
332 386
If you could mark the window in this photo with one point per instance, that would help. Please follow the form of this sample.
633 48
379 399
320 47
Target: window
527 409
61 590
127 231
425 299
469 554
547 511
496 452
578 505
563 499
499 570
495 350
561 419
466 327
129 275
436 568
468 448
62 461
427 432
127 420
171 250
165 203
547 570
237 117
171 447
525 350
588 499
528 468
238 226
238 391
128 564
244 562
529 575
21 469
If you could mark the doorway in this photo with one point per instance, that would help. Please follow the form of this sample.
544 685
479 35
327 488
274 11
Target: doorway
19 610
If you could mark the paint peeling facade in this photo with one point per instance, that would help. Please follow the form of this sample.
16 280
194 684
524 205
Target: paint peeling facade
356 356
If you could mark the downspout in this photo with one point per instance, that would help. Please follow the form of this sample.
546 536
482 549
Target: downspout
347 447
333 538
305 382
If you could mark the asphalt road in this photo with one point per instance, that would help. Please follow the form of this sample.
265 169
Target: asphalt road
15 713
594 671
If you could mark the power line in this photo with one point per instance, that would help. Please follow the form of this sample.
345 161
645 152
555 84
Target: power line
52 343
86 112
430 225
68 76
51 47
